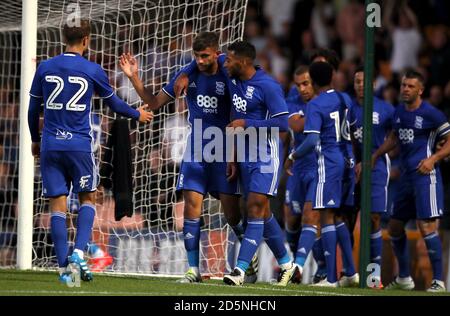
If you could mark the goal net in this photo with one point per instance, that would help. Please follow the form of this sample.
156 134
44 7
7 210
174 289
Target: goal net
159 34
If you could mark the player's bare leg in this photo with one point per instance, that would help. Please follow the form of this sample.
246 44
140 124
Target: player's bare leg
191 231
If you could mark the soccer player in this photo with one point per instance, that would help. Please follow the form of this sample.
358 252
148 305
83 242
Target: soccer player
300 184
416 127
382 125
346 215
258 106
65 84
324 117
209 106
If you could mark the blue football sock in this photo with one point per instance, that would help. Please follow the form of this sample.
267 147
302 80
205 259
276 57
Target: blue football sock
375 247
252 238
343 237
273 235
239 230
400 245
305 243
318 256
329 247
434 247
292 237
59 237
191 233
85 221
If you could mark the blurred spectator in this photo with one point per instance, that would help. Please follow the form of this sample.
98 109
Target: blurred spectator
391 93
279 15
349 22
406 39
322 21
440 55
436 97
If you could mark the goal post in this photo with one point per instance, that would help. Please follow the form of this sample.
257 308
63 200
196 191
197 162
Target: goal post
160 34
26 160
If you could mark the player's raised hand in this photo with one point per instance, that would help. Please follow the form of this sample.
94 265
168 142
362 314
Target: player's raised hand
128 64
180 86
144 115
426 165
36 150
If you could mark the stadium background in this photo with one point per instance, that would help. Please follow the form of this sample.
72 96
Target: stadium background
285 32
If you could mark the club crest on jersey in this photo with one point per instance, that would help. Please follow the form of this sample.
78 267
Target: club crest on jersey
375 118
249 92
63 135
419 121
220 87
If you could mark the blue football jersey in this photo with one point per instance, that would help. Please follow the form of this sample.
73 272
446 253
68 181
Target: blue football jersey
207 98
346 143
382 124
258 98
308 163
67 83
293 92
417 132
326 115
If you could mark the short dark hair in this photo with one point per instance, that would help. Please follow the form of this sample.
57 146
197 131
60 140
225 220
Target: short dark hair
412 74
204 40
243 49
301 70
74 34
330 56
321 73
360 68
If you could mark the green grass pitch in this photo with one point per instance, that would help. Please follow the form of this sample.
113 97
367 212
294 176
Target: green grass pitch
32 283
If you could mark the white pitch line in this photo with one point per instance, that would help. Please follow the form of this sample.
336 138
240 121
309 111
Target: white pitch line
282 290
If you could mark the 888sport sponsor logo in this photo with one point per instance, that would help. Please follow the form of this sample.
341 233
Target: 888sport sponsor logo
239 104
406 135
207 103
